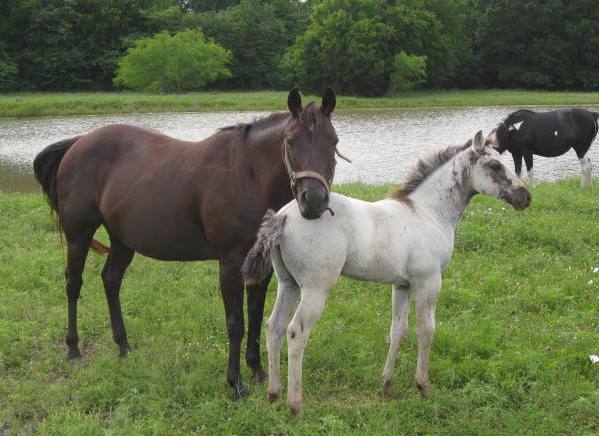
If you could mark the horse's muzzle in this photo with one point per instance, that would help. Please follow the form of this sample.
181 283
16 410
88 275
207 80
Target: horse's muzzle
313 200
519 198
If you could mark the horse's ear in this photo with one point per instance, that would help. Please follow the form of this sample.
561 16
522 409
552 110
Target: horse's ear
328 101
294 102
478 141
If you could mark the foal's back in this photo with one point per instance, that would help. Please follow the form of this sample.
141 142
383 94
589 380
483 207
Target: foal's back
363 240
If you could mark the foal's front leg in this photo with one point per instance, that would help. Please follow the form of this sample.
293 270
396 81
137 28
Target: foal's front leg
426 297
298 332
399 328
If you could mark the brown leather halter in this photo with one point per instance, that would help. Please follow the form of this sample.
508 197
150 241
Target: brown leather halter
294 176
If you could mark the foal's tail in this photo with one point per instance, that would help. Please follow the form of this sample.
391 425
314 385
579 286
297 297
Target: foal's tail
45 168
258 264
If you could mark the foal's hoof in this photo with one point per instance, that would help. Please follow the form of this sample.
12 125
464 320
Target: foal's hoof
240 392
258 376
387 389
273 396
425 390
295 409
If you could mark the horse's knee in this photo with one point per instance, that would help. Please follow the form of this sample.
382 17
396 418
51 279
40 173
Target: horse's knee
235 328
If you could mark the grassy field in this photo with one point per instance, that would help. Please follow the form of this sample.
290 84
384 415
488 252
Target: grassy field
517 321
55 104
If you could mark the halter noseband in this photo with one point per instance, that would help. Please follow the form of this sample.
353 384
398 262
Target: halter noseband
294 176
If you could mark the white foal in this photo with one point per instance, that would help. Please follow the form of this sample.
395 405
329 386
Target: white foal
405 240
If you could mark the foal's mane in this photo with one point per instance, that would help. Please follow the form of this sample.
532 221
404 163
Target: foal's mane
424 168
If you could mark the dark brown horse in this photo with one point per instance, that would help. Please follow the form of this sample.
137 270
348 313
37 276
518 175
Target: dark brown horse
178 200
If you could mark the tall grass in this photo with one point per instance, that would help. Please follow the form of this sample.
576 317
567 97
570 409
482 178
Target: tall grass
516 321
56 104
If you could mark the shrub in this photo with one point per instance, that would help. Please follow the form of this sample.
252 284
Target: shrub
409 71
165 63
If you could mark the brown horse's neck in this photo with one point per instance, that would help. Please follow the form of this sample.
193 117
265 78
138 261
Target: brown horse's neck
264 149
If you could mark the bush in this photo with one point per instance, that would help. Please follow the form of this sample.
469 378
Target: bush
166 63
409 71
8 75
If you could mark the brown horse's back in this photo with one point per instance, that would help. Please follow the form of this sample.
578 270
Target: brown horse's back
141 185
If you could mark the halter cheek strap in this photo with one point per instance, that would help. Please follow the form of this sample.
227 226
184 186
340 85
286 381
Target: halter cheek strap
295 176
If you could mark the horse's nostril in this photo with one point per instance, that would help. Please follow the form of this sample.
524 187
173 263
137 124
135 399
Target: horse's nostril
304 196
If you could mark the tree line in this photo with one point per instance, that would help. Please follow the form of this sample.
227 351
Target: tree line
361 47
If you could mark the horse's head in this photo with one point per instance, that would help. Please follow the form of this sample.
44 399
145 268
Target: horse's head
491 177
309 152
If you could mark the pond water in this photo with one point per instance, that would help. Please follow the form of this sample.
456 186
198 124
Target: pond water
383 144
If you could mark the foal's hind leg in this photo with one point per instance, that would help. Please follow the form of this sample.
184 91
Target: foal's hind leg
76 254
255 299
399 328
307 314
287 294
112 275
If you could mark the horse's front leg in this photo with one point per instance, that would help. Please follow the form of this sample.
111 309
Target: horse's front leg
255 298
426 297
287 294
517 156
399 328
231 287
529 170
298 332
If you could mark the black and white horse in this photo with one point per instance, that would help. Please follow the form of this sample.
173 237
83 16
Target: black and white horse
549 134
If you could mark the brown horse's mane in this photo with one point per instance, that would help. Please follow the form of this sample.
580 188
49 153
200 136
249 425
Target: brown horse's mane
265 122
424 168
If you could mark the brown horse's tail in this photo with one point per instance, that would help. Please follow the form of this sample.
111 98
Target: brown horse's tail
258 265
45 168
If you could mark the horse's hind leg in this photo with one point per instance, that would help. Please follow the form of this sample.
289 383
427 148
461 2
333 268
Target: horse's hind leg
112 275
399 328
255 299
586 168
76 254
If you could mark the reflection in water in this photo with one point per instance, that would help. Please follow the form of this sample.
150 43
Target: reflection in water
383 144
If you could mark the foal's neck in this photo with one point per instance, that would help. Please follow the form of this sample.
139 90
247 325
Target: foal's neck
447 191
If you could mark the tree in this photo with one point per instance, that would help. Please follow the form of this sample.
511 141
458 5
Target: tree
258 32
165 63
408 72
351 44
551 44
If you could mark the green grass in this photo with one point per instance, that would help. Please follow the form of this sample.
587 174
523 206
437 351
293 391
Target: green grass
517 320
56 104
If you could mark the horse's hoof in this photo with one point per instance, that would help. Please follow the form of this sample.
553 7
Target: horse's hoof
295 409
124 349
425 390
241 392
258 376
387 389
74 355
273 396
